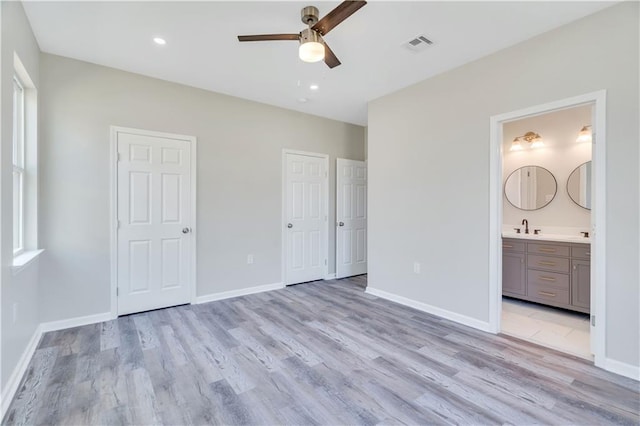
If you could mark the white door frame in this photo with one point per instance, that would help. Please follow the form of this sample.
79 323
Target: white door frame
598 215
114 208
325 187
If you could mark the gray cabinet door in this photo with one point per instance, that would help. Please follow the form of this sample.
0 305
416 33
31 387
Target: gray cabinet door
581 283
513 274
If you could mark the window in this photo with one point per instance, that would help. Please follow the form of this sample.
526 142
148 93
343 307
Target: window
18 166
25 167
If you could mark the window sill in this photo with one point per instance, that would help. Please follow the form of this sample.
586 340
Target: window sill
23 259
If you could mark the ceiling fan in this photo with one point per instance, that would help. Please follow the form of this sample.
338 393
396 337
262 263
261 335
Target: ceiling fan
313 48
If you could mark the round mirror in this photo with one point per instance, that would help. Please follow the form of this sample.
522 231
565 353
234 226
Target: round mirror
579 185
530 188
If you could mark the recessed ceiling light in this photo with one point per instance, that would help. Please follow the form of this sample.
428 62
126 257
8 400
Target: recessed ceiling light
160 41
314 87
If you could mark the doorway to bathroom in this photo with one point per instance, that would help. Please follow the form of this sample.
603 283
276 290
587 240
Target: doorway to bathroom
546 258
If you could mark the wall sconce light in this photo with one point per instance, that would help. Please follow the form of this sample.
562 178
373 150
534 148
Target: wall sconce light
584 135
530 137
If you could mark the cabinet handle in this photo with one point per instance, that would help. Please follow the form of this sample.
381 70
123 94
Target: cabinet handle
547 250
546 263
544 293
547 278
574 267
506 246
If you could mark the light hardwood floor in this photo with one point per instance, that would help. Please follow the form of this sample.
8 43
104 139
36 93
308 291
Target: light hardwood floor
317 353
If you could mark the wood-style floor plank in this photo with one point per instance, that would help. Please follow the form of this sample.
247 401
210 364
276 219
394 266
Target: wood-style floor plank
321 353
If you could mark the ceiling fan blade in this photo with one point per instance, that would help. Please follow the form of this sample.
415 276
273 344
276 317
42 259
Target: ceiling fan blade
337 15
330 58
269 37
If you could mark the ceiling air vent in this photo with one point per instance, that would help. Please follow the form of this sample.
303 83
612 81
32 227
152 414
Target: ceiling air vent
418 43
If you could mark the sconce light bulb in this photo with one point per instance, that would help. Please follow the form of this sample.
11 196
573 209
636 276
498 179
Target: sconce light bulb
516 145
584 135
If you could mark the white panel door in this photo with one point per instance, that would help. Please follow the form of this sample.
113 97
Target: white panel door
305 211
154 210
351 218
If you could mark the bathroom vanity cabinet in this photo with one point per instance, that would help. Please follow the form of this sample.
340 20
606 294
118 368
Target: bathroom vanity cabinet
547 272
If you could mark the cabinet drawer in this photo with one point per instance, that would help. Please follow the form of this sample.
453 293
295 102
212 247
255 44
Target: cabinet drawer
548 279
546 294
551 249
548 263
582 251
512 246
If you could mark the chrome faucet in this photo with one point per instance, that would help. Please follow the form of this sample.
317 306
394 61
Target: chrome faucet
525 222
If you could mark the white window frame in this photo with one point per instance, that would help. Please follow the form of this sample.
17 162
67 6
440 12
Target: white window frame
25 167
18 148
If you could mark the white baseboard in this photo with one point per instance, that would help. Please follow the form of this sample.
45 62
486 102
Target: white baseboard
74 322
18 372
443 313
622 368
235 293
330 277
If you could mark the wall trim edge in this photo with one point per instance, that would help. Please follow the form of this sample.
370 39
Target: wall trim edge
75 322
20 369
430 309
622 368
236 293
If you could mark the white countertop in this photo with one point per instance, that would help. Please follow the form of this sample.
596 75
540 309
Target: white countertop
548 237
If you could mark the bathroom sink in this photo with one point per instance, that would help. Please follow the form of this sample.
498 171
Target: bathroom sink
549 237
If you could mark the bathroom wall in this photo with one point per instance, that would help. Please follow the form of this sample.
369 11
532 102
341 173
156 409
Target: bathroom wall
561 154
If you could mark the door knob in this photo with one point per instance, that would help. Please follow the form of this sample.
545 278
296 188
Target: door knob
186 230
289 225
340 223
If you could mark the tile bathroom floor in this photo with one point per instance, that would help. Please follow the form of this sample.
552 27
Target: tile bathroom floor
559 329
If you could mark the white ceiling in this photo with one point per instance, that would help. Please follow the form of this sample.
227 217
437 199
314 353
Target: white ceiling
202 49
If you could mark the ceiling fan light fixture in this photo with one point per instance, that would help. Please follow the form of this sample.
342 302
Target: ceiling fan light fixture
311 46
311 51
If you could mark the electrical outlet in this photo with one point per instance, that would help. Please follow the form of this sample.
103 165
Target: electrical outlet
15 312
249 259
416 267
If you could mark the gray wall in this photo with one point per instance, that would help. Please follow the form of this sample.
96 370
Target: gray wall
428 152
239 177
20 288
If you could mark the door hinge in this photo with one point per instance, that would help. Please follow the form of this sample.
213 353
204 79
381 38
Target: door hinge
118 224
118 156
325 262
326 174
117 291
593 320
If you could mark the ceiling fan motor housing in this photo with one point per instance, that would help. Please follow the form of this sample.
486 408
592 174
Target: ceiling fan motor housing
309 35
309 15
